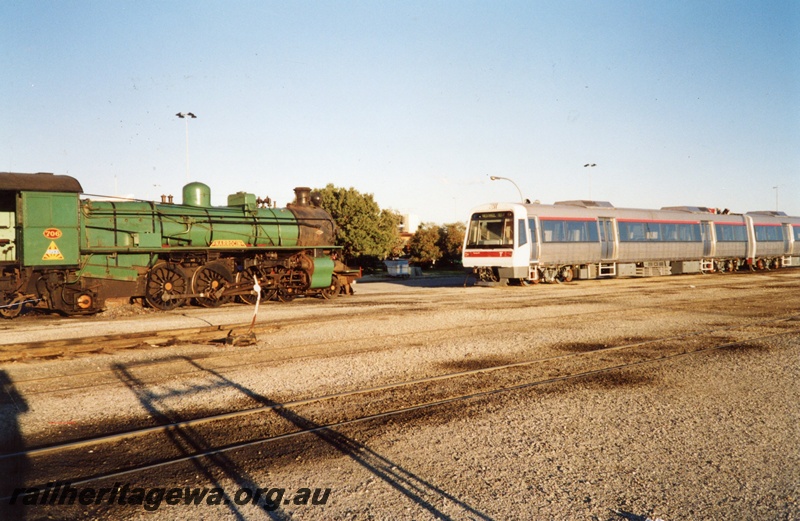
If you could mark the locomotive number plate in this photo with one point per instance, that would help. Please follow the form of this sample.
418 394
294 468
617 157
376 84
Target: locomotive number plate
52 233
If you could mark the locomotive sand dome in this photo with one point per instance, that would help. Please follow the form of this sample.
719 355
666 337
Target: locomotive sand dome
67 254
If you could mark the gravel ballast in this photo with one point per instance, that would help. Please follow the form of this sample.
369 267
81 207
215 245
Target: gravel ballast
710 435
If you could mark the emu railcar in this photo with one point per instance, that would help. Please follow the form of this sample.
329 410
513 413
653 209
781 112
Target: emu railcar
591 239
67 254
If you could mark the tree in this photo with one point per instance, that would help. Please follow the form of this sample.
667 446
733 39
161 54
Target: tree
364 230
423 244
451 240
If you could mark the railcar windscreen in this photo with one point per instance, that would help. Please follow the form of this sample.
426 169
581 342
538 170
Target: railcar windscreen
491 230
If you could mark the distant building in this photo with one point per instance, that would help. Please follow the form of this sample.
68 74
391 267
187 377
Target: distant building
408 224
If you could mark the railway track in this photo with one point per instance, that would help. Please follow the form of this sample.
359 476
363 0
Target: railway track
77 345
248 357
180 441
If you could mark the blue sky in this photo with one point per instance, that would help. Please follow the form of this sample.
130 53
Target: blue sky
416 102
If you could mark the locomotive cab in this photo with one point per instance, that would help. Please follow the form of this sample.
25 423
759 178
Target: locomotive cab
499 243
8 230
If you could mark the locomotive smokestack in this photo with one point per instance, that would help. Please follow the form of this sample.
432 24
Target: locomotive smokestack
302 195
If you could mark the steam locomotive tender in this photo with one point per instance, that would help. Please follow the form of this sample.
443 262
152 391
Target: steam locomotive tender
66 254
524 243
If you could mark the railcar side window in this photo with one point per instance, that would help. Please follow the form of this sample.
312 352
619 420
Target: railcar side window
491 230
631 231
689 233
569 231
532 227
796 228
523 237
731 232
767 233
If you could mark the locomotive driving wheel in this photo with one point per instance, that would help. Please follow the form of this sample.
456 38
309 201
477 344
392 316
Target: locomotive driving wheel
165 283
249 275
286 294
211 280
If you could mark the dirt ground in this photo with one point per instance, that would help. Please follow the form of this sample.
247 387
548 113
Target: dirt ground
686 407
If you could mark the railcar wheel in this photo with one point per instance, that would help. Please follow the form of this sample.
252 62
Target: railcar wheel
730 266
760 264
211 280
333 290
165 282
488 275
567 274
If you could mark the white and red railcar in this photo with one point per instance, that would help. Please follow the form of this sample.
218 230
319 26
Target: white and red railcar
590 239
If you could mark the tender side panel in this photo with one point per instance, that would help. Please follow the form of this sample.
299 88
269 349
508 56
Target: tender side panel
50 228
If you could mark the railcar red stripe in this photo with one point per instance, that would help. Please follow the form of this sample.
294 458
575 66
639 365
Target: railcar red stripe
659 221
487 253
581 219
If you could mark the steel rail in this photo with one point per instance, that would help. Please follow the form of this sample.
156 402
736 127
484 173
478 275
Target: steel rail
412 408
386 387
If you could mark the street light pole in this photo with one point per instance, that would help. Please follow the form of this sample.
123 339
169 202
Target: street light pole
186 116
496 177
776 196
590 166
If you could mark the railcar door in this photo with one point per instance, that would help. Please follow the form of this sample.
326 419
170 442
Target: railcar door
707 231
788 239
608 239
533 226
751 237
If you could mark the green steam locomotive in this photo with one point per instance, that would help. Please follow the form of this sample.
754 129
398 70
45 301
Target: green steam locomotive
68 254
